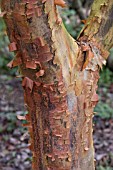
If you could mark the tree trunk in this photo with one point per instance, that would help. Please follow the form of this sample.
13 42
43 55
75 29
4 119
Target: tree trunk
60 78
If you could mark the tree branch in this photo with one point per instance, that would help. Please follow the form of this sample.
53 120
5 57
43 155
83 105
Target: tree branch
99 25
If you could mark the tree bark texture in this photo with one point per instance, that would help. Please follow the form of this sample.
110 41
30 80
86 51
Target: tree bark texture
59 77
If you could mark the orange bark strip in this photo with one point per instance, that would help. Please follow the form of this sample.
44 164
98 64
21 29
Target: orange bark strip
10 64
40 73
21 117
27 83
43 1
31 64
39 41
44 57
60 3
12 47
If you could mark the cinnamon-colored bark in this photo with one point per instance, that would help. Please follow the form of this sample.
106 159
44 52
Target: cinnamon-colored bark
59 80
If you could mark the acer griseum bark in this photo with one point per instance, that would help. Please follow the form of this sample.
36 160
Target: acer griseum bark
59 77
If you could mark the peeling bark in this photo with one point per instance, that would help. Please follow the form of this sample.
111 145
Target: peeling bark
60 78
99 25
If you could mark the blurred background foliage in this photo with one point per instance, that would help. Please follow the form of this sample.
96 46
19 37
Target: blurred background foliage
72 16
5 56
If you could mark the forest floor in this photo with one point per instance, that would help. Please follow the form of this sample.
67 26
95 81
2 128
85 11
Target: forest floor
14 147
